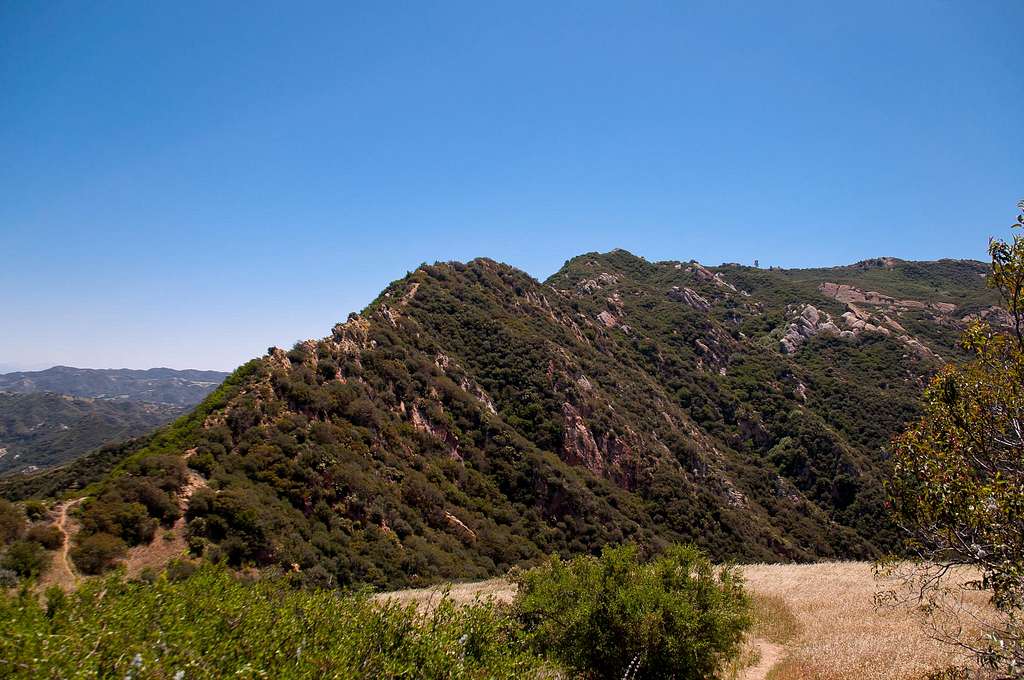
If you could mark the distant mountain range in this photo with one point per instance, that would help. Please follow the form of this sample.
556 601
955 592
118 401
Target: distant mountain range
50 417
154 385
472 418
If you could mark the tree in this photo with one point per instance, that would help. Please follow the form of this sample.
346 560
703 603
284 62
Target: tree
958 484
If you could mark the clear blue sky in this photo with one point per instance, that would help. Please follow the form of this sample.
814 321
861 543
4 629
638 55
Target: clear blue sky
184 184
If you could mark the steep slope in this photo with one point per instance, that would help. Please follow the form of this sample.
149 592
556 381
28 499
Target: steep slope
44 430
154 385
472 418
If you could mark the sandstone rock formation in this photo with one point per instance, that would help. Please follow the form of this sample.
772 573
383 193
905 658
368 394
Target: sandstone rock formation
808 322
689 297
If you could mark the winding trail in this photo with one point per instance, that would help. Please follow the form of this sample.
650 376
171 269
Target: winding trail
770 654
61 572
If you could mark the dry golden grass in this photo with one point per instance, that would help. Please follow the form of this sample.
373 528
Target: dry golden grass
843 635
811 622
462 593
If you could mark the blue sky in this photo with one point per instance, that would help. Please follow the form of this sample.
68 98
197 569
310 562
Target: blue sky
185 184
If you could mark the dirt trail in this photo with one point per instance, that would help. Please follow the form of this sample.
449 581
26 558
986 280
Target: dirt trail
62 572
769 655
170 544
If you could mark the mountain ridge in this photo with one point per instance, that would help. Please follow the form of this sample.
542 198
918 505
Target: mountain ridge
155 385
472 418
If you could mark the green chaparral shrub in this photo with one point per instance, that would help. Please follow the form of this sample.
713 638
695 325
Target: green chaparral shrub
25 558
12 522
35 510
96 552
46 535
215 625
614 616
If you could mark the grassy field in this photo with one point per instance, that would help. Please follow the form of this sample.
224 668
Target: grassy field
815 621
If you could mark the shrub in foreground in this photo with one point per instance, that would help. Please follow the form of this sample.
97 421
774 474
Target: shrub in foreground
613 616
212 625
25 558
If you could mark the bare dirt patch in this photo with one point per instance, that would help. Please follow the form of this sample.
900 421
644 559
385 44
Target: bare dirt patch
167 544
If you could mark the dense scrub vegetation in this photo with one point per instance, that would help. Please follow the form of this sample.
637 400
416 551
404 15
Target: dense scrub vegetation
212 624
472 419
677 616
673 617
24 543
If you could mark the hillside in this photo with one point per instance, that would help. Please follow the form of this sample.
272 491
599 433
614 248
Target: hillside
43 430
154 385
473 418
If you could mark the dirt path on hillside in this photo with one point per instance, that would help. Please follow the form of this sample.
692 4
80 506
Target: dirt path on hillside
170 544
769 654
62 572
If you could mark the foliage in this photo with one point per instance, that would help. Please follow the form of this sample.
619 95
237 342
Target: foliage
958 486
214 625
472 419
613 616
12 522
35 510
46 535
94 553
25 558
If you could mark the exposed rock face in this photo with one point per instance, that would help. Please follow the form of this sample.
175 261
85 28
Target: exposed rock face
579 445
608 319
420 421
808 322
590 285
858 320
608 455
460 527
704 274
690 297
851 295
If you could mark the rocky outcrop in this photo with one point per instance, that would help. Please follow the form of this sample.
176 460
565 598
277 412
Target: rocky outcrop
690 297
459 527
847 294
608 319
578 446
808 322
702 273
607 455
590 285
421 422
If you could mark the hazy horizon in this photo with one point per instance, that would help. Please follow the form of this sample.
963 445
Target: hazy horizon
38 366
185 185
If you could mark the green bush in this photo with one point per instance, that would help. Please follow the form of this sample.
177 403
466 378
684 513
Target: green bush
677 616
96 553
35 510
214 625
46 535
12 522
25 558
